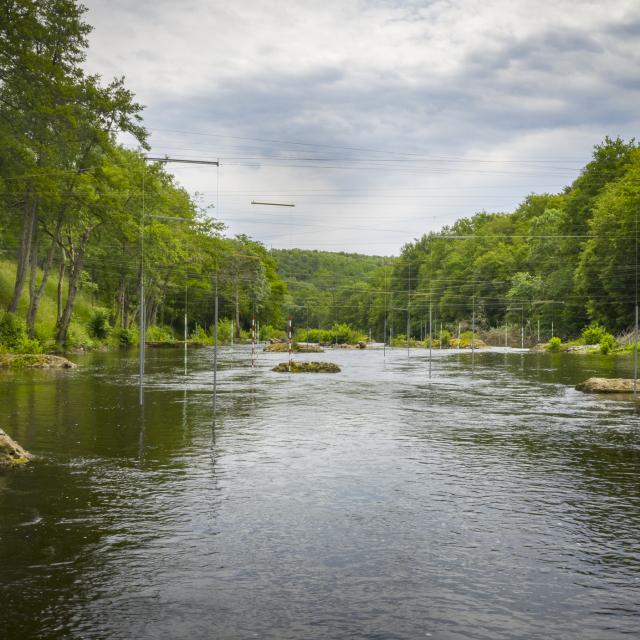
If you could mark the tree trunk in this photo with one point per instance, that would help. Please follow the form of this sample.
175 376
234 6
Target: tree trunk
35 294
74 280
63 266
26 236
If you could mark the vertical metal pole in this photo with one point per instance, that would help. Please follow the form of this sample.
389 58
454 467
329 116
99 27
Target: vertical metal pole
232 330
215 340
253 341
289 336
258 336
142 306
441 336
185 328
408 328
635 359
384 336
430 342
473 326
522 328
459 335
538 330
552 329
506 334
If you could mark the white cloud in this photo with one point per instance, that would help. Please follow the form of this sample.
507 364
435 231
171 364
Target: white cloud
497 80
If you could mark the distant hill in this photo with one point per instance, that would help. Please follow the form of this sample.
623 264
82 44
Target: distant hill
324 285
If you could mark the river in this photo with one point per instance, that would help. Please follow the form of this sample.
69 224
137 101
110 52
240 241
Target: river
490 501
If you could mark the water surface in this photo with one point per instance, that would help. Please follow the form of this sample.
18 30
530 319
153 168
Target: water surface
490 501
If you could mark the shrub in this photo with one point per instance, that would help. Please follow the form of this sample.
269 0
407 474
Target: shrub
12 331
224 331
99 326
593 333
268 332
124 337
160 334
200 335
78 337
607 343
554 345
445 337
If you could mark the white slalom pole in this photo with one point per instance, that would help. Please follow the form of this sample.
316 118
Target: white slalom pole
289 336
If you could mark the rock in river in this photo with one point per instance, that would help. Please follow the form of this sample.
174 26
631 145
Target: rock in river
11 453
307 367
607 385
35 361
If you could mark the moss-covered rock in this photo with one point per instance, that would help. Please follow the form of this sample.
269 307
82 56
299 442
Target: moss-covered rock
607 385
11 453
307 367
35 361
296 347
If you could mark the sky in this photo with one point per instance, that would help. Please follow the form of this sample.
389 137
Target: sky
380 120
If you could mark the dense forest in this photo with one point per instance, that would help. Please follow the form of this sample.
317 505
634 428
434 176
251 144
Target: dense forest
84 222
78 211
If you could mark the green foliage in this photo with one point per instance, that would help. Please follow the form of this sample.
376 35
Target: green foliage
554 345
199 335
445 337
124 337
162 335
607 343
267 332
338 334
224 331
13 332
593 334
99 326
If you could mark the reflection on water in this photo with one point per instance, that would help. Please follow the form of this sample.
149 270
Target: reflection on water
375 503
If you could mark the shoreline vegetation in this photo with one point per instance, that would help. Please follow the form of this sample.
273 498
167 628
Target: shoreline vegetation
76 251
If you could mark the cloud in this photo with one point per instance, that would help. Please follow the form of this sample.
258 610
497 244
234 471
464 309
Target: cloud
472 89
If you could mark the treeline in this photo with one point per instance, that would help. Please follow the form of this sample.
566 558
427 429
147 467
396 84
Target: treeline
559 262
80 210
328 288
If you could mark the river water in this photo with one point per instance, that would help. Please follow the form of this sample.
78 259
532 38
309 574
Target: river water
490 501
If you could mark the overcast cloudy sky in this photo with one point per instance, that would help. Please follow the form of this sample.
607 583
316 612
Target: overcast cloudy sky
379 119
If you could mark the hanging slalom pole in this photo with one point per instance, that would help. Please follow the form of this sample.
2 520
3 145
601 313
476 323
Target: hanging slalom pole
430 343
289 337
253 341
185 328
215 340
473 327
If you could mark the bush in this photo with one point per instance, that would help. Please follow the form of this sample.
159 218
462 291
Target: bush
224 331
27 345
200 336
13 331
554 345
593 333
607 343
160 334
268 332
78 337
99 326
445 337
124 337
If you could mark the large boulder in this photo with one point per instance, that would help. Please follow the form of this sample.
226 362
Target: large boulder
11 453
607 385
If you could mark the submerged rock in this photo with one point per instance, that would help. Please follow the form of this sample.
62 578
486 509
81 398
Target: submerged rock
307 367
35 360
11 453
607 385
